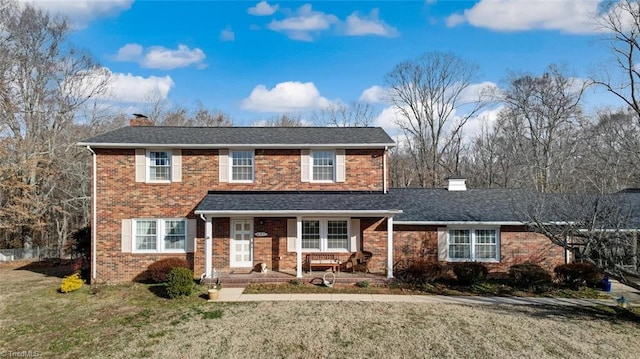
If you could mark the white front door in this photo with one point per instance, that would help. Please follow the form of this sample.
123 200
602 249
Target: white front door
241 243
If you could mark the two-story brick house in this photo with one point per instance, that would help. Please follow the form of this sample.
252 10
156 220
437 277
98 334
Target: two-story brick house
237 197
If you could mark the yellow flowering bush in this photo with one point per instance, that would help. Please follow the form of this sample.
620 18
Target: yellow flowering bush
71 283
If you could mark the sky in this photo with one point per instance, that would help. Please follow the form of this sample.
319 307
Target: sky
255 60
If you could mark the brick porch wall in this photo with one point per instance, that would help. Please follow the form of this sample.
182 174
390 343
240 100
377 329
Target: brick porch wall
120 197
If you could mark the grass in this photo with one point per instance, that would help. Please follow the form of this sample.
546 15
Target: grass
130 320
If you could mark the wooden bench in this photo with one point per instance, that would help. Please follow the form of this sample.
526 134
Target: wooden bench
323 260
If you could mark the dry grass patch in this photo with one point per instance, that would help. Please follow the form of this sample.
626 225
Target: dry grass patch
130 321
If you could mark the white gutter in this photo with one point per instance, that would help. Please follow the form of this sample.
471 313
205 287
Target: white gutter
236 145
94 220
294 213
437 223
384 170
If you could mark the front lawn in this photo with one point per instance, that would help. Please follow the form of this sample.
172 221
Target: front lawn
132 321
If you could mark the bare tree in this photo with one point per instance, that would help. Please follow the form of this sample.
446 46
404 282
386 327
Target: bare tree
285 120
621 21
354 114
541 117
598 227
44 83
433 97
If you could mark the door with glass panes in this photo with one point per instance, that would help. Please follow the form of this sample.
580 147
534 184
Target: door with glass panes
241 243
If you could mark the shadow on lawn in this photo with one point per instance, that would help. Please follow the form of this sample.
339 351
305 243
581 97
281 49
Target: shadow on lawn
601 312
50 268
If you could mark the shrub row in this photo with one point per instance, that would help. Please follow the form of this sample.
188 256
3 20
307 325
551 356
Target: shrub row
528 275
158 272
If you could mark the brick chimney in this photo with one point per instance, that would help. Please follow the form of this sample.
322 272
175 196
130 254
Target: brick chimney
456 183
140 120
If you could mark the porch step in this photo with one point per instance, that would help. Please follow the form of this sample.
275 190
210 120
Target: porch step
239 282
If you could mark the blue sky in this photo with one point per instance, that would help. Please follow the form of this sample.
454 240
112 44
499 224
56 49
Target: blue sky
254 60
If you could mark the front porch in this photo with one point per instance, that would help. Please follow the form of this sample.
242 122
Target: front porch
235 279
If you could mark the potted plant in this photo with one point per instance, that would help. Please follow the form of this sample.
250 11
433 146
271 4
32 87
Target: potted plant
213 285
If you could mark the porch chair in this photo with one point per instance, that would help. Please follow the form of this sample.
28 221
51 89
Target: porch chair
360 261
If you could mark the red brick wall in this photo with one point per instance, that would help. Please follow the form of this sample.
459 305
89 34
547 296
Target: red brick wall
517 245
120 197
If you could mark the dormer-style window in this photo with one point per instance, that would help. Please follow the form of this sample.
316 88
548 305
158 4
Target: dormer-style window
241 166
159 166
323 166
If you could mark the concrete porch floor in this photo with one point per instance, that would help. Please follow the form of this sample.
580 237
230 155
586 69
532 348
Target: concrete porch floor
237 278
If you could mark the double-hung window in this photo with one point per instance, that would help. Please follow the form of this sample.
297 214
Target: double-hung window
323 166
241 166
471 244
325 235
160 235
159 166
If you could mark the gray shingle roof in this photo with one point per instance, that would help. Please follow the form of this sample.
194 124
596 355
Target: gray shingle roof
472 205
279 201
241 136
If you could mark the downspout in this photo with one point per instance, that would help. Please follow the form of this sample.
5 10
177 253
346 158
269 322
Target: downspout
94 220
384 170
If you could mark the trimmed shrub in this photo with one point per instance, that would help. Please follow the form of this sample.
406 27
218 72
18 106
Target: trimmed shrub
363 284
179 282
158 272
71 283
422 272
575 275
469 273
530 276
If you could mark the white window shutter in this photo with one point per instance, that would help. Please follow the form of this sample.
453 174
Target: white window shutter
126 238
340 166
223 165
291 235
176 165
304 165
442 243
355 235
192 225
141 165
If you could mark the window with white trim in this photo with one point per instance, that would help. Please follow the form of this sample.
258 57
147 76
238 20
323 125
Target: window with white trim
323 166
159 166
327 235
159 235
241 166
473 244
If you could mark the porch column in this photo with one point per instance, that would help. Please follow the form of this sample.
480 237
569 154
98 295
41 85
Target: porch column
389 247
208 246
567 252
299 247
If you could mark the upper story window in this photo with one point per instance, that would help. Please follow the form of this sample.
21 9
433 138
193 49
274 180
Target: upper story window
325 235
323 166
159 165
469 244
241 166
160 235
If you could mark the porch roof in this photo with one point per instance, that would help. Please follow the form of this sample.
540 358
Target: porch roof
292 203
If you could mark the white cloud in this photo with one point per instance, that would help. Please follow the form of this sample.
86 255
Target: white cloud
159 57
124 88
129 52
81 12
374 94
263 9
571 16
369 25
299 27
486 119
227 35
483 90
285 97
388 119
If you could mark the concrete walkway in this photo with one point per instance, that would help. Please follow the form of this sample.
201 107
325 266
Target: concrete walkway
618 289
